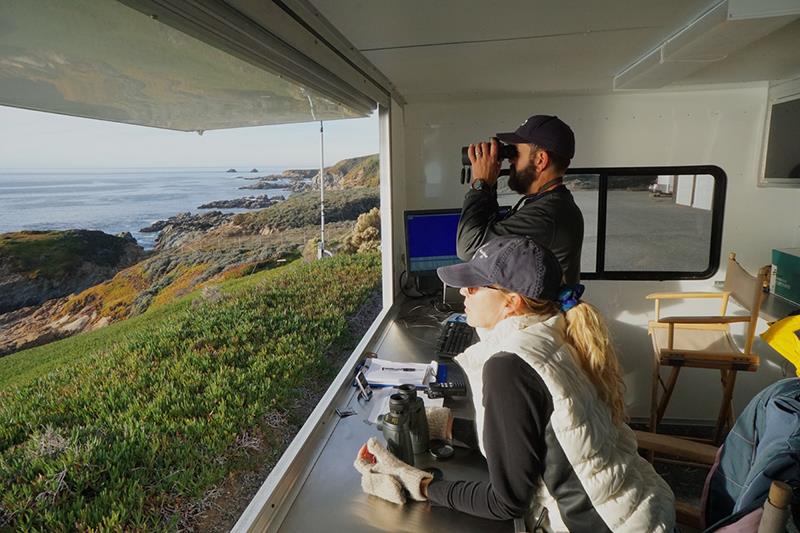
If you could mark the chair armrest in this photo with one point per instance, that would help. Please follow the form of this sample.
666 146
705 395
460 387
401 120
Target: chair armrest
688 449
703 319
688 515
677 295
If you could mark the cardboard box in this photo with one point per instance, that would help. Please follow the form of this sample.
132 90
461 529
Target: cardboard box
785 279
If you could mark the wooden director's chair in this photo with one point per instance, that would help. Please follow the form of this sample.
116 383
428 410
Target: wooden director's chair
706 342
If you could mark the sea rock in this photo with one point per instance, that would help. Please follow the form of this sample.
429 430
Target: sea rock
261 184
250 202
126 236
185 227
231 170
286 179
253 170
158 225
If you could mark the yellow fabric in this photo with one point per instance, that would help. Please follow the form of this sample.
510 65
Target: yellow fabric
784 337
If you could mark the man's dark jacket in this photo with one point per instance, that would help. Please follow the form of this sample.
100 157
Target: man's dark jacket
552 219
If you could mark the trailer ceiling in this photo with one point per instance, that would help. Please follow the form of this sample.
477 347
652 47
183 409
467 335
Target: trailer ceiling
449 49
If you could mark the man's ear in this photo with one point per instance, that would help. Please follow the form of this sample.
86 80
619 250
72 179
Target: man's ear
541 160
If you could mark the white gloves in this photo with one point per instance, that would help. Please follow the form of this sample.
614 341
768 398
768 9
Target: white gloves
385 476
439 423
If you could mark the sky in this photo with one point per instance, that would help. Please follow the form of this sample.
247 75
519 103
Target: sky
33 139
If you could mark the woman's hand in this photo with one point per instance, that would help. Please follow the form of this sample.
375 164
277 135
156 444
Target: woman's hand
423 486
363 453
384 475
383 486
440 423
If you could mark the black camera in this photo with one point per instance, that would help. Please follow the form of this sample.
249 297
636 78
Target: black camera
504 151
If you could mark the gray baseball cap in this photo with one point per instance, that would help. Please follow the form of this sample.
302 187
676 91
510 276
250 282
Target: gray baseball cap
514 262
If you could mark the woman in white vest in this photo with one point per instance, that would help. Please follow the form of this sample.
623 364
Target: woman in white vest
549 411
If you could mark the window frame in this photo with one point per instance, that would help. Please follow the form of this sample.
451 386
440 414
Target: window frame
717 216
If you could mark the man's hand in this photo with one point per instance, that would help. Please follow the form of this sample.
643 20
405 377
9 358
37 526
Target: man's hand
485 166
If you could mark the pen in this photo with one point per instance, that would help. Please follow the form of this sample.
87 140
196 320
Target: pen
398 369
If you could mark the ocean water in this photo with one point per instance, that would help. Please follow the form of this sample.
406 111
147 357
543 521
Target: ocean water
116 200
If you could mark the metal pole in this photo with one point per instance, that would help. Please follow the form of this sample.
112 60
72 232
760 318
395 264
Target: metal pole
321 249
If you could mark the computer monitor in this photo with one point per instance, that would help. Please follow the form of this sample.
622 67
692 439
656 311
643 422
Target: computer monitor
431 236
431 240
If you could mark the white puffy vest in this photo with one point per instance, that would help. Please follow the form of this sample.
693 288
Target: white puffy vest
623 487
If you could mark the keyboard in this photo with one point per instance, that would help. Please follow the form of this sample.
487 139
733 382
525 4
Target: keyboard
454 339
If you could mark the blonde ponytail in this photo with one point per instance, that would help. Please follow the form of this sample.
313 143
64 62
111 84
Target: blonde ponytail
588 334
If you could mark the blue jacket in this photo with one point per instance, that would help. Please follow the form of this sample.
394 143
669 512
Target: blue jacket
764 445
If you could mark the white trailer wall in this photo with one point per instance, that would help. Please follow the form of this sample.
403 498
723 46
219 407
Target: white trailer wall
703 192
684 190
718 127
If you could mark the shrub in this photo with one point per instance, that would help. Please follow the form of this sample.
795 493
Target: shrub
366 235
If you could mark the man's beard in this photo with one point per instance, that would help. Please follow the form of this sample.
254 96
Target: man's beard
520 181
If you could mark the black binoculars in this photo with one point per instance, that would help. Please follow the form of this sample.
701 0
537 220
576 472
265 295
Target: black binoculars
504 151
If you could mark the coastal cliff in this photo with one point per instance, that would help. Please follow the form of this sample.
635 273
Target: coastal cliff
36 266
348 173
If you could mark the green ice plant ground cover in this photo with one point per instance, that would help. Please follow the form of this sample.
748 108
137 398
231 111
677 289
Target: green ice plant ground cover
138 424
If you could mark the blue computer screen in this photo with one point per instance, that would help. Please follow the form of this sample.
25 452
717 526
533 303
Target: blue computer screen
431 239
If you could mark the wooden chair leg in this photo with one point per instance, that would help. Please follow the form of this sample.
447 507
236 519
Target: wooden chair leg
726 409
654 396
662 404
731 417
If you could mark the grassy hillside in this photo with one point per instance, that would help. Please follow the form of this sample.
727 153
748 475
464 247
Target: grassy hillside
152 412
357 172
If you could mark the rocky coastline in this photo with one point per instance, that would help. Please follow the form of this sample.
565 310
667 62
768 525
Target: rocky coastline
112 278
185 227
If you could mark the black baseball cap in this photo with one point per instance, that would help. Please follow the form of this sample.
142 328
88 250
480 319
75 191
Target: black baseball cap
547 131
514 262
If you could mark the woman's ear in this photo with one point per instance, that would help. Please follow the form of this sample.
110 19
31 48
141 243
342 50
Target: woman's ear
515 304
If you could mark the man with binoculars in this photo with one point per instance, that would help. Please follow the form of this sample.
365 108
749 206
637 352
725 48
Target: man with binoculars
539 152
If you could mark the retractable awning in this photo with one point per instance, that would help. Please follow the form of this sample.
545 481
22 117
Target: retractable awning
188 65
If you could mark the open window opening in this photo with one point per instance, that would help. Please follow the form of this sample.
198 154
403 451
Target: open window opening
166 327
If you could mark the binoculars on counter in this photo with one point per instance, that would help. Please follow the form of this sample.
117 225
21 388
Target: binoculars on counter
504 151
405 426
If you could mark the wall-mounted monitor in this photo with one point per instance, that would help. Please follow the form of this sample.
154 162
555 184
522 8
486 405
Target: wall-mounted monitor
781 156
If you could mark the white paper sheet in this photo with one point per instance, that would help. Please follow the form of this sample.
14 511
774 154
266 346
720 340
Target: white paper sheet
385 372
